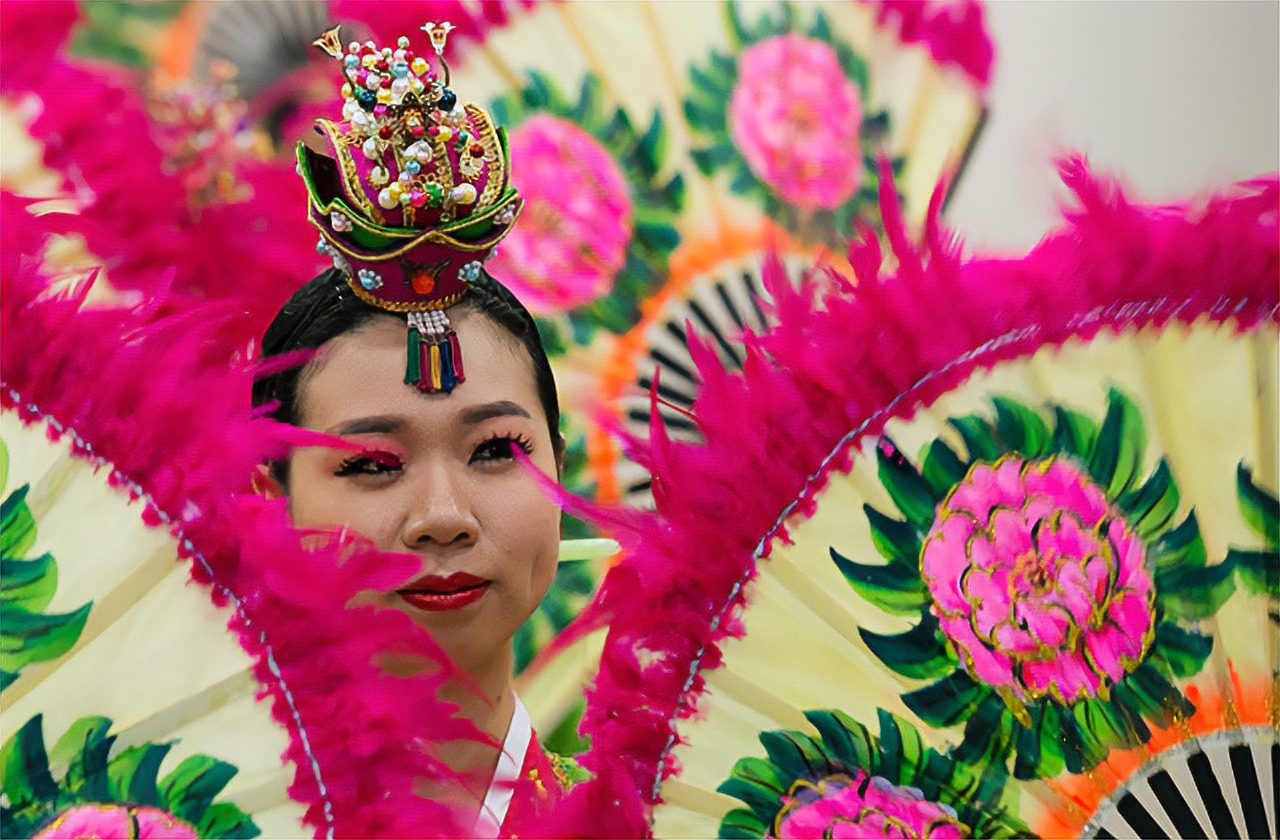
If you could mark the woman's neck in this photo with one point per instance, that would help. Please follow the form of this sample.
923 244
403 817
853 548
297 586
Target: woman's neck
490 709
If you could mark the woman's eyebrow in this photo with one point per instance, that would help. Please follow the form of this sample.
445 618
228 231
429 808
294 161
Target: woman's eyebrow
500 408
377 425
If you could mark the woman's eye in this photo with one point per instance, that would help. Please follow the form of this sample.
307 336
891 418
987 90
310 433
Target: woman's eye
499 448
379 464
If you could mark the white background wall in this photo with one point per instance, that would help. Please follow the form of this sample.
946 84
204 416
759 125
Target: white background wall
1175 97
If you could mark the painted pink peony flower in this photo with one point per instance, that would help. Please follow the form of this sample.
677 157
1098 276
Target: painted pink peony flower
105 821
796 118
573 233
108 822
841 806
1037 582
154 823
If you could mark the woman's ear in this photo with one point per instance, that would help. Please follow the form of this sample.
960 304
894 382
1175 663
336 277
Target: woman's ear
265 484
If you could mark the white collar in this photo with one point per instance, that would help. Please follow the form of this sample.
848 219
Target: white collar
497 799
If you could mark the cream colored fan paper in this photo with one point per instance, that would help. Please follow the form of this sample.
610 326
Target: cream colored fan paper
641 52
1208 397
155 655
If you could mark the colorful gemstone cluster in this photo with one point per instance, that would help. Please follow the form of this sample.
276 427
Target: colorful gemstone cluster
414 194
393 101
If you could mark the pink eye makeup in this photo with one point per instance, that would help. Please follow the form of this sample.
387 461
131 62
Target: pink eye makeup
370 462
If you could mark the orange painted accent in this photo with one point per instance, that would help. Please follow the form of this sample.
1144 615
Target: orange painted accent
692 259
178 45
1088 790
602 459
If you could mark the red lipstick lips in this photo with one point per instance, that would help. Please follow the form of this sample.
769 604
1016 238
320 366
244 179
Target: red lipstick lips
439 594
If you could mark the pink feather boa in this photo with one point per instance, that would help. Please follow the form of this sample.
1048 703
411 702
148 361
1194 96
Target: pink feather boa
905 338
136 216
953 31
164 400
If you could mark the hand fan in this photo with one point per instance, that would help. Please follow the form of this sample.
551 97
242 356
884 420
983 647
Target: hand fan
987 548
176 659
663 147
129 710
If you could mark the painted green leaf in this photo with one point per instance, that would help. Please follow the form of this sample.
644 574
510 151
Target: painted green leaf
905 486
848 739
988 733
1151 507
1099 719
28 584
1160 701
894 588
37 637
4 466
1260 509
741 823
1074 434
948 701
941 468
225 820
1192 593
712 157
17 526
1182 650
25 766
755 782
902 750
194 784
1020 428
978 436
1180 548
133 773
795 753
706 118
1259 570
1126 707
919 653
1122 440
895 540
84 750
1039 752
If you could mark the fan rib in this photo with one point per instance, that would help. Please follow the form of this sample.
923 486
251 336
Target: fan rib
1139 819
1175 805
1250 793
708 803
756 697
1215 803
160 724
754 294
104 613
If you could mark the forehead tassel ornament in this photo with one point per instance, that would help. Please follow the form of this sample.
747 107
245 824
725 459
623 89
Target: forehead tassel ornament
414 195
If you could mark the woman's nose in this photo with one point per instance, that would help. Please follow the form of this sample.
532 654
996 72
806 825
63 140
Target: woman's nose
439 514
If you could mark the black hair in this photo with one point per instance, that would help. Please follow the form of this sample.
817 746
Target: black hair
326 308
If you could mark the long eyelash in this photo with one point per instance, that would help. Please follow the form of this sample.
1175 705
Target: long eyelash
368 463
526 445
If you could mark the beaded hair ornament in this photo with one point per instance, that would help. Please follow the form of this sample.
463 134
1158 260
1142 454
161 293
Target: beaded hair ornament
415 195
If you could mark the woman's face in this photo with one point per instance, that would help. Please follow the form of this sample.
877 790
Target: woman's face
436 478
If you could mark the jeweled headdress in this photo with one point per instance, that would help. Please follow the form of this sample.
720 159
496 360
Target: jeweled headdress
415 195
